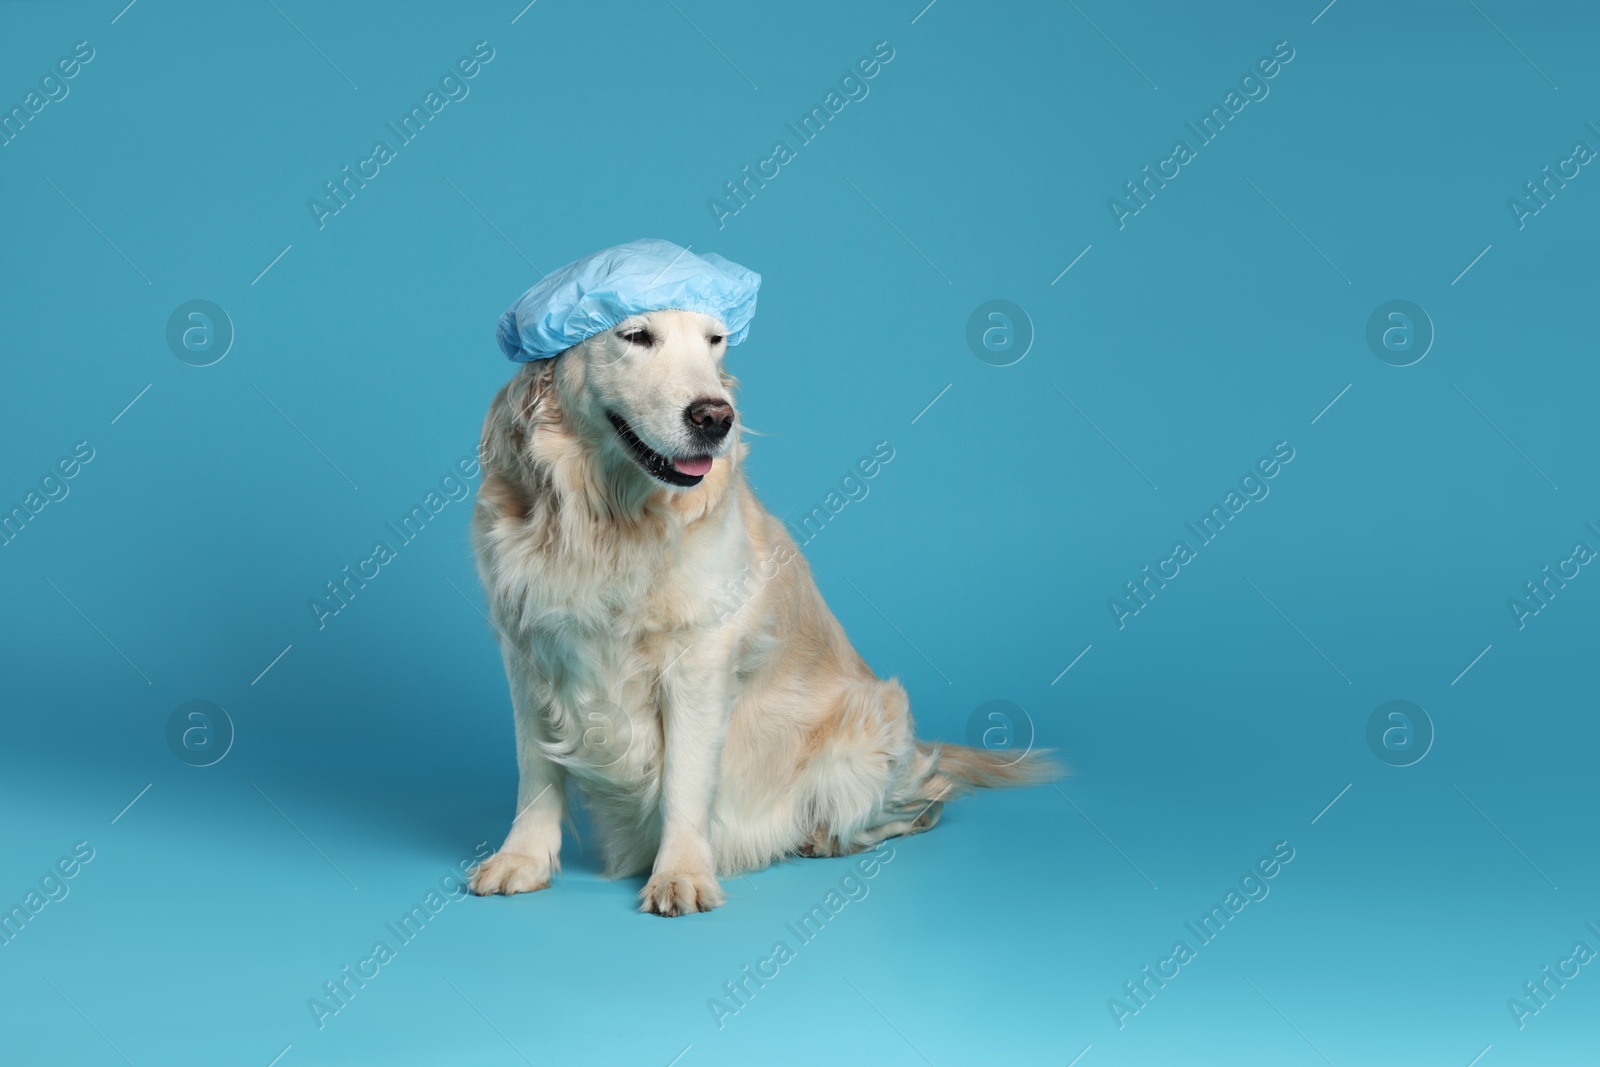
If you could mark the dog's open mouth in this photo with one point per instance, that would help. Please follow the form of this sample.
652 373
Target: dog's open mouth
684 472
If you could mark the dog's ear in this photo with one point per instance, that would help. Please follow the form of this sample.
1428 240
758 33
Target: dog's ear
534 389
512 415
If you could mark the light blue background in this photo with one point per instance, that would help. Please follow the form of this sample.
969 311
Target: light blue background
979 167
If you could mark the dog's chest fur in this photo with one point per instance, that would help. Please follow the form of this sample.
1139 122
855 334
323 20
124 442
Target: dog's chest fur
603 610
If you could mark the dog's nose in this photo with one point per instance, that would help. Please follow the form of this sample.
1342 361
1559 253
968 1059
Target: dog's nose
711 419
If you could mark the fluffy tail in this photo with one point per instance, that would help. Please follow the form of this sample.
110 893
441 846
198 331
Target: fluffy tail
956 769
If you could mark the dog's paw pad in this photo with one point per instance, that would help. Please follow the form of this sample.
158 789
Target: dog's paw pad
680 893
508 873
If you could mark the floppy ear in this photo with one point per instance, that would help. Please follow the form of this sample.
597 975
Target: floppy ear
512 414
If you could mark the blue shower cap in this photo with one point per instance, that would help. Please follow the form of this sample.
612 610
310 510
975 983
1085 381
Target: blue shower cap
599 291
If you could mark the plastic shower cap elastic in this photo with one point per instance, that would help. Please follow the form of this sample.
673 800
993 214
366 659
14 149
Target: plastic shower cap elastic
599 291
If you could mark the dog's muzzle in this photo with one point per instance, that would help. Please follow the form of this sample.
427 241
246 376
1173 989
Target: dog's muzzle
684 472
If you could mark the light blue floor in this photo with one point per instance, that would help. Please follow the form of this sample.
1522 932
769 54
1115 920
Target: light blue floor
1440 864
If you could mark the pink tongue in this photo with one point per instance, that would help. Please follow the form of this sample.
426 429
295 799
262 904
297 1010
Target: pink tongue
692 467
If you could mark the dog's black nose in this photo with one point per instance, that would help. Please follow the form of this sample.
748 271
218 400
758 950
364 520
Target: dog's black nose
711 419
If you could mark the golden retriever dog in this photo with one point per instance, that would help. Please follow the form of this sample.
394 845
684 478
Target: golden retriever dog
666 647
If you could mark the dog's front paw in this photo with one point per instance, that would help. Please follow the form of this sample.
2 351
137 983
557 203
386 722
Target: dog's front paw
680 893
510 872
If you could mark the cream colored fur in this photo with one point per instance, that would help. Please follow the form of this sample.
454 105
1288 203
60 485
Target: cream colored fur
667 649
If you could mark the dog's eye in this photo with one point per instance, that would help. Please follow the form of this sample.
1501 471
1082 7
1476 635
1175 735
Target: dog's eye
715 339
638 336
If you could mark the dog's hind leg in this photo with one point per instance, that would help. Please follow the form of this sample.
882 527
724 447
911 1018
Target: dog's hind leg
871 742
865 775
884 825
